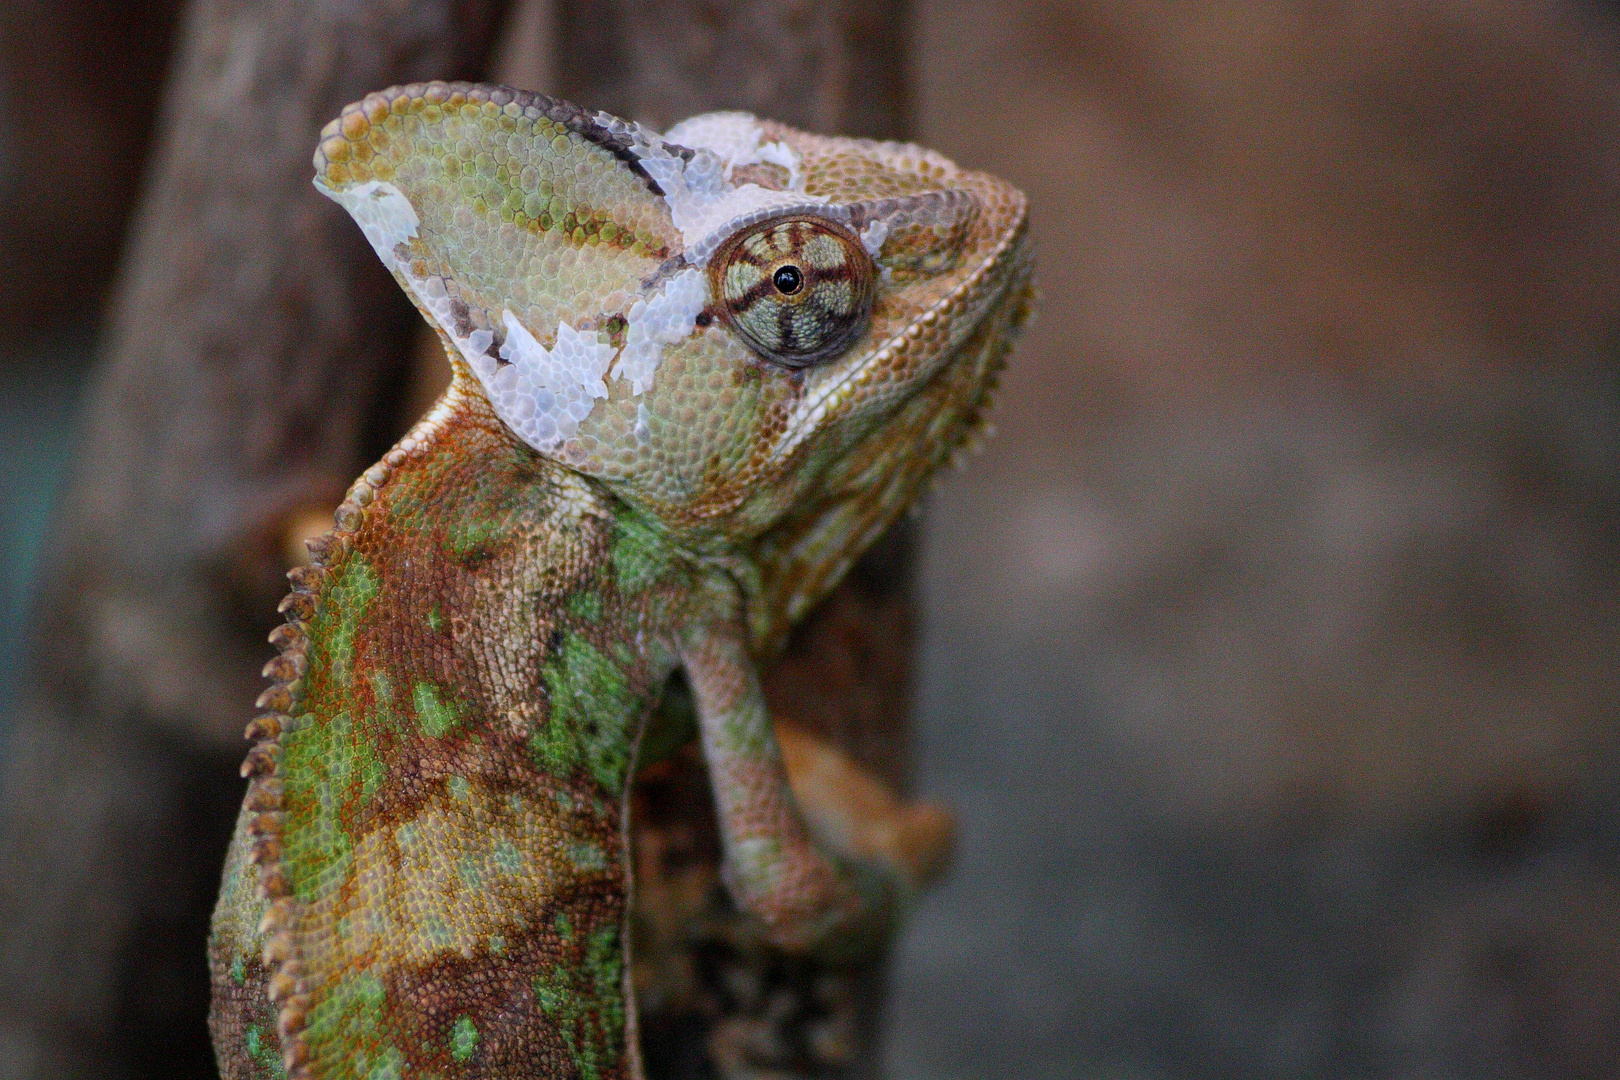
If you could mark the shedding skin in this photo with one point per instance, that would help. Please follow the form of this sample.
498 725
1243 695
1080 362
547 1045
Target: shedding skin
430 876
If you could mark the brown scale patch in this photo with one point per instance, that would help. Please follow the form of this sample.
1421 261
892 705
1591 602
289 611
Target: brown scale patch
432 621
242 1019
586 227
468 605
492 995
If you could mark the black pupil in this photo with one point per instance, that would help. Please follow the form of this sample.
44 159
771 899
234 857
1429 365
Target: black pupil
787 279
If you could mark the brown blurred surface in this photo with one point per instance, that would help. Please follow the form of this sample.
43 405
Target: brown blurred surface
79 85
1316 430
1274 639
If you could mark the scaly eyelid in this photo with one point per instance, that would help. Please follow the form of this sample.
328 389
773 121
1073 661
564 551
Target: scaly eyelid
926 232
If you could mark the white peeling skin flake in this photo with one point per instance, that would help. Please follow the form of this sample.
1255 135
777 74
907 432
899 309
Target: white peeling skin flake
703 203
734 138
382 211
873 235
542 394
665 318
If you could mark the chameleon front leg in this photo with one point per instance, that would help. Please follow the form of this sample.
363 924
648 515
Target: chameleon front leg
773 868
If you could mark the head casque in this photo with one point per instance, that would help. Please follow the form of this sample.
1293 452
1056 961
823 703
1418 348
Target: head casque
766 340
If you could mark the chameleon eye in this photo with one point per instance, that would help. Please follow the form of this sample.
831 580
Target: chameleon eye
797 290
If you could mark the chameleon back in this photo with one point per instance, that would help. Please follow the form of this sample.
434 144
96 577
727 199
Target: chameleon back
449 785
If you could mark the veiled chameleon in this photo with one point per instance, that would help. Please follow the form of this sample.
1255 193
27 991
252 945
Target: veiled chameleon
694 375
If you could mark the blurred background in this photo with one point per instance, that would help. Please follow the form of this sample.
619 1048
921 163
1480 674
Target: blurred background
1269 654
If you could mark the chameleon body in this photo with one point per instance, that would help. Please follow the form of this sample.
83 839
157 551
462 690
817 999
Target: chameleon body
694 375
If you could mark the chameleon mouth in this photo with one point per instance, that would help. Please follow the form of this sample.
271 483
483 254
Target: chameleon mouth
903 351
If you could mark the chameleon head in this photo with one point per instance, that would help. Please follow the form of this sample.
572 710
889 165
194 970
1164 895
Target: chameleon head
753 334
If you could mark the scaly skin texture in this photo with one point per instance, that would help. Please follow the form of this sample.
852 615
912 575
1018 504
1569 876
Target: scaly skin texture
658 450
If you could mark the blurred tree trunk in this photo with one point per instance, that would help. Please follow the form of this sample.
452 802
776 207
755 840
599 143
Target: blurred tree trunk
66 187
836 66
238 382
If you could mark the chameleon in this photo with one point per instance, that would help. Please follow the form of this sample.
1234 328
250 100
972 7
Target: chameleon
694 375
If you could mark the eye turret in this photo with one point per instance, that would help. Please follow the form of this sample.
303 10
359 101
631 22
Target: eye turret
797 290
